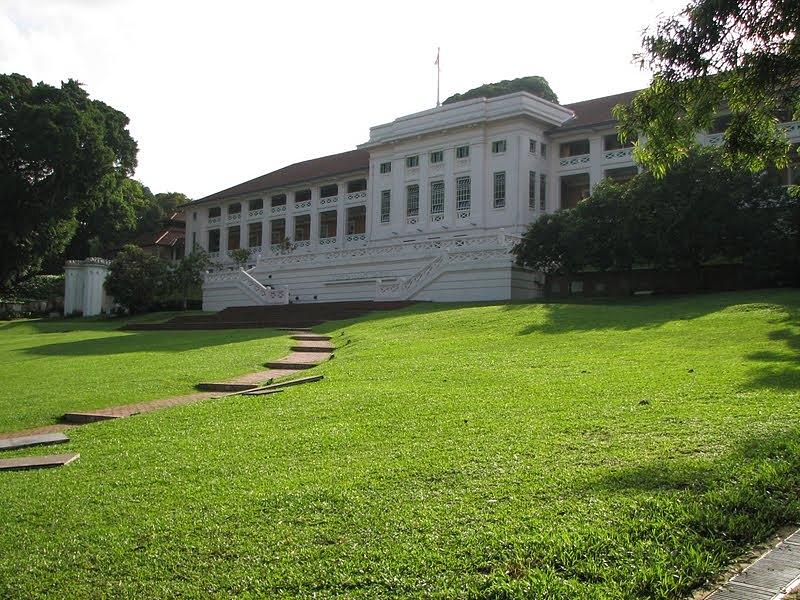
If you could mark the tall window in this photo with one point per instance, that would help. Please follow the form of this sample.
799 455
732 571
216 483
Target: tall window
256 204
500 189
386 206
302 195
463 193
327 191
576 148
213 240
357 220
254 235
386 167
532 190
214 211
278 200
412 161
498 146
277 231
235 208
327 224
302 228
437 197
542 192
462 152
437 157
543 150
233 237
532 146
412 200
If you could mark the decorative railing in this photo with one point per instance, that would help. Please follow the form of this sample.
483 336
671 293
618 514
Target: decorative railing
574 161
302 205
462 214
214 221
327 241
353 196
328 200
356 237
412 219
255 214
234 218
259 292
302 244
275 210
618 154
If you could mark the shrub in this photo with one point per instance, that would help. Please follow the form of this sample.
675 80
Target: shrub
136 279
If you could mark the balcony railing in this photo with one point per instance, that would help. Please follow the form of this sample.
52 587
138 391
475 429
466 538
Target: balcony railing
234 218
255 214
214 220
328 200
575 161
327 241
619 154
302 205
356 237
353 196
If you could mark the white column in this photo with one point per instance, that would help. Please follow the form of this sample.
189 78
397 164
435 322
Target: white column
481 188
315 213
596 157
341 212
424 194
449 187
243 231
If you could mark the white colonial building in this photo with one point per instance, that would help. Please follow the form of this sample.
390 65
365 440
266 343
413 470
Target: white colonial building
427 209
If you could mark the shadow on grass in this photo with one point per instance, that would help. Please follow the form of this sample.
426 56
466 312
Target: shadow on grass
623 314
779 369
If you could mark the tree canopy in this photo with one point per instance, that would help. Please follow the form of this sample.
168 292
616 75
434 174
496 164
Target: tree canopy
61 153
701 211
742 56
533 84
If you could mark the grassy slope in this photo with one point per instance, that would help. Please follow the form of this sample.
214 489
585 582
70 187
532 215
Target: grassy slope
597 450
52 367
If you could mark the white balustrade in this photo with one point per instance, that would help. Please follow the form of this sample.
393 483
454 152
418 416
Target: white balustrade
356 237
302 205
275 210
412 219
463 214
234 218
353 196
327 241
575 161
328 200
214 221
437 217
255 214
620 154
302 244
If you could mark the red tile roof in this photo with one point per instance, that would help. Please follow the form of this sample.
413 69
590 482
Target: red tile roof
595 111
316 168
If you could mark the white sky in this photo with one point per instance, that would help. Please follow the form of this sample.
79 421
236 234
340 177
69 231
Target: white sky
221 92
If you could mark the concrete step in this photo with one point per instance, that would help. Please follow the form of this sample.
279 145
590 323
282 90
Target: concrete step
33 440
310 337
37 462
274 387
86 417
222 386
293 366
312 348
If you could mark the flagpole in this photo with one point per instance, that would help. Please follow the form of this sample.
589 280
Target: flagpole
438 77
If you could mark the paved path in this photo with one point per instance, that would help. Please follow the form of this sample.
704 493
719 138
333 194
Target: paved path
257 378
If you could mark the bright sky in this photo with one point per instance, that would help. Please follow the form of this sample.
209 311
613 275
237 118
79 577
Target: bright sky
221 92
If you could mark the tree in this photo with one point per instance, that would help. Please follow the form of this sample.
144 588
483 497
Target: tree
739 55
534 84
188 274
240 256
701 211
136 279
59 151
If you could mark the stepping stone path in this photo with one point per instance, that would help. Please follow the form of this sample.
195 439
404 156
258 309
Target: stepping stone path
36 462
310 350
770 577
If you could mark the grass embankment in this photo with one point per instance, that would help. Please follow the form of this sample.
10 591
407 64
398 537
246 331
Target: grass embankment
50 367
591 450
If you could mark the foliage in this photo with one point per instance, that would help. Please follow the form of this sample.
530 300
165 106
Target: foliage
136 279
701 211
533 84
188 273
738 55
481 451
240 256
38 287
60 151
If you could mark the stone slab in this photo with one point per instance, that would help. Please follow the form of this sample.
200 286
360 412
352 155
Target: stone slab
87 417
32 440
294 328
224 386
312 348
23 463
294 366
310 337
274 387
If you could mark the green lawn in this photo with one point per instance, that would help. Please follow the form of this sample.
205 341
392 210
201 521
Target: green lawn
50 367
599 449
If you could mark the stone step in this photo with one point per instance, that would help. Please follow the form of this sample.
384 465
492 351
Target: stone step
222 386
293 328
36 462
311 337
274 387
87 417
312 348
293 366
33 440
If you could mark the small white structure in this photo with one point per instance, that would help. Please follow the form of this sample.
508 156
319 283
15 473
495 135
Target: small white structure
429 208
84 291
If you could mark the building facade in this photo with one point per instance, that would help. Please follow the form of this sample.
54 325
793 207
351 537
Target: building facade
428 208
